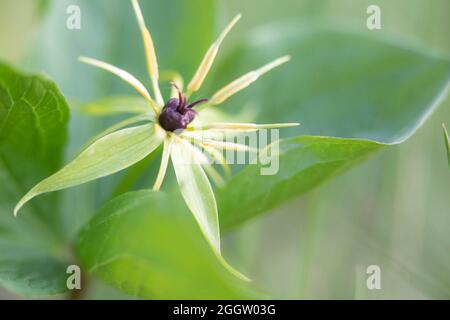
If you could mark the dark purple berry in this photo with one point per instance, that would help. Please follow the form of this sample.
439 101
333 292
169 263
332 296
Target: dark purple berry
176 114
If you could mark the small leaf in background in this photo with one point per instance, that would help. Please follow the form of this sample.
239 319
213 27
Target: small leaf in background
106 156
447 143
147 245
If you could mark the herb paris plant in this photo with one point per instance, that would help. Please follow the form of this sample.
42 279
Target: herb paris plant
120 147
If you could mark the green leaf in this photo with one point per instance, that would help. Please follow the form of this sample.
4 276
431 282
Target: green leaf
115 105
196 191
105 156
304 163
337 84
165 258
33 125
447 143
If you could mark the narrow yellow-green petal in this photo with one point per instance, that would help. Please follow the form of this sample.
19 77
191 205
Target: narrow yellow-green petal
124 75
245 80
199 197
197 192
208 59
164 162
150 53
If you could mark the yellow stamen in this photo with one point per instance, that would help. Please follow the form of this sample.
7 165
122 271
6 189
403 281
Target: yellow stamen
227 145
220 145
244 81
203 161
214 175
150 54
222 126
208 59
216 154
135 83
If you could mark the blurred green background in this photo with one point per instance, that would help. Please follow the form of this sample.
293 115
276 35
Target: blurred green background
391 211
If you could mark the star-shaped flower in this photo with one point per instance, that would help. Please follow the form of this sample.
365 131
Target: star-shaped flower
169 124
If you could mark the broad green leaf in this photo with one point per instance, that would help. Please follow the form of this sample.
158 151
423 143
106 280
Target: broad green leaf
115 105
196 191
33 125
33 121
337 84
105 156
147 245
447 143
303 163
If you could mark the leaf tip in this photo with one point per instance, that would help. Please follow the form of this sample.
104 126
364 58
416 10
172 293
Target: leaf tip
17 208
85 60
30 195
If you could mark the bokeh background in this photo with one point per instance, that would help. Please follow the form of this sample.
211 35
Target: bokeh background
392 210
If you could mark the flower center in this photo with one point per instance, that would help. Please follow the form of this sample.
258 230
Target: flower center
177 114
